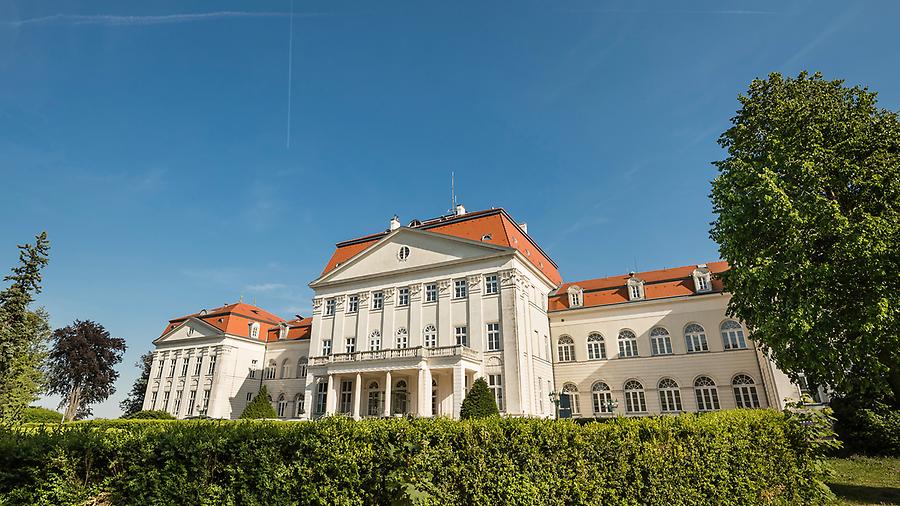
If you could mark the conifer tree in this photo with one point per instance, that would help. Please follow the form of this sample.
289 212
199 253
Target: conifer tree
479 402
259 407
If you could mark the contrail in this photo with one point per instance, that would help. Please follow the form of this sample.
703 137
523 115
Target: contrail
117 20
290 72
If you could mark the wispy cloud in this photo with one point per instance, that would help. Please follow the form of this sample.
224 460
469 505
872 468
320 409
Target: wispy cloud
164 19
724 12
265 287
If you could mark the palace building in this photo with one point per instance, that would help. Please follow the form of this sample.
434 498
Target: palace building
406 319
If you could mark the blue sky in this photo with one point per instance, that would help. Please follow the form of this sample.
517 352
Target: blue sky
150 140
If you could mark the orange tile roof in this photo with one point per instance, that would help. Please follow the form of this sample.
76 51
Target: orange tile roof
497 223
298 329
234 319
658 284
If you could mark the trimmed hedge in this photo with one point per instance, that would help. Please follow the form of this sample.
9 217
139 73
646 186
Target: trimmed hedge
736 457
150 414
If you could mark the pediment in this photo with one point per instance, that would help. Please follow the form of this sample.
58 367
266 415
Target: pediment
192 328
409 249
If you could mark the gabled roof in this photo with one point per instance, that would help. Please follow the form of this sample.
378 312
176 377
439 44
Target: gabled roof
492 226
660 284
233 319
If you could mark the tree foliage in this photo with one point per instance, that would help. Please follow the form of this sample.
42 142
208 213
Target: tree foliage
135 400
150 414
479 402
41 415
23 332
82 366
260 406
808 216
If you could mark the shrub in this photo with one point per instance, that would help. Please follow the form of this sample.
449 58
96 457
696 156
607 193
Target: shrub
736 457
150 414
873 430
36 414
479 402
260 407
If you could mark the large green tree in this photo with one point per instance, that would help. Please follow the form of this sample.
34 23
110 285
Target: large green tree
479 402
23 331
135 400
81 366
808 216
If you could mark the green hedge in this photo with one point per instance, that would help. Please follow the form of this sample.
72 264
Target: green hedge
150 414
736 457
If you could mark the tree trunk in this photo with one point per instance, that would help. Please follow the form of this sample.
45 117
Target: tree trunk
73 402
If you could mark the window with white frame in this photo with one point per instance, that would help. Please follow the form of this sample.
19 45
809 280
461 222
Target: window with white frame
270 370
153 400
660 341
285 369
326 347
429 336
635 402
462 335
460 289
572 391
212 365
160 366
350 345
403 253
184 366
400 398
745 395
565 349
403 296
321 396
602 398
431 292
172 369
377 300
733 335
252 373
635 289
299 404
402 338
596 348
540 394
493 336
346 399
282 406
627 344
702 280
198 365
375 340
695 338
165 401
375 406
177 408
301 367
249 397
495 382
669 396
353 303
330 305
254 330
707 394
576 295
192 400
491 284
205 404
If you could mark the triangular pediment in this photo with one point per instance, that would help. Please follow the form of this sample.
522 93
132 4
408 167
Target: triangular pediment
192 328
410 249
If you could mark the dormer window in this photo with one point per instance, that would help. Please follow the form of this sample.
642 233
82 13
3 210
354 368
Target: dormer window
254 330
702 279
576 296
635 288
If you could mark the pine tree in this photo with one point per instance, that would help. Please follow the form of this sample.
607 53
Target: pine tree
135 400
479 402
260 407
23 332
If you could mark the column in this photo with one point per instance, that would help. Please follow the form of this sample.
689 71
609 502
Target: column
338 339
388 338
357 394
420 392
330 401
387 393
459 389
426 391
362 322
309 396
445 319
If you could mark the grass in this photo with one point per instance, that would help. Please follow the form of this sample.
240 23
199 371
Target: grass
866 480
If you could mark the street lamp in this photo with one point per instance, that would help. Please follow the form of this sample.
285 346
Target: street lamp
611 404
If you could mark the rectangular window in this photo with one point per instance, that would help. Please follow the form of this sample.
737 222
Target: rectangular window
159 372
153 400
491 286
326 347
184 366
377 300
353 303
198 365
540 397
495 381
431 292
321 397
462 336
177 407
330 304
205 400
249 397
172 369
301 404
628 348
191 401
212 364
493 336
252 369
460 289
351 345
403 296
346 396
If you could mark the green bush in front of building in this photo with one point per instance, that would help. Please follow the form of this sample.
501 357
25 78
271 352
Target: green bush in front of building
730 457
479 402
259 407
150 414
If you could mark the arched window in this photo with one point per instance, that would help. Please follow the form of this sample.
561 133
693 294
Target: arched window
429 336
602 397
572 391
566 349
745 395
375 340
669 396
435 401
282 406
707 394
660 342
301 368
399 398
596 348
285 369
733 335
376 400
299 405
635 402
695 338
627 344
402 338
271 370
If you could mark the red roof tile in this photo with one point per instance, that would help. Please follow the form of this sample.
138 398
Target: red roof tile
233 319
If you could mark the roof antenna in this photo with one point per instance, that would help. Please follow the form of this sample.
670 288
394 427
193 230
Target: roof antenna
452 192
242 298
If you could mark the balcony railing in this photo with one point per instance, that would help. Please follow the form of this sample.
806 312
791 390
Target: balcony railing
417 351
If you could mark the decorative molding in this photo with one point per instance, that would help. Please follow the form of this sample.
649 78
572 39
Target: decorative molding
415 288
317 303
508 277
445 284
473 282
388 294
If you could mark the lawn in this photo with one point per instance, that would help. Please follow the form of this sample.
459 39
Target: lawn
866 480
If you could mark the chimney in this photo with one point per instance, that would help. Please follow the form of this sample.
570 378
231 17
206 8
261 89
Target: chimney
524 227
395 223
460 210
